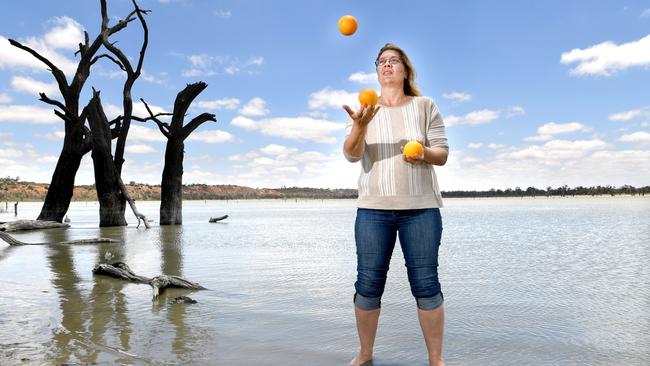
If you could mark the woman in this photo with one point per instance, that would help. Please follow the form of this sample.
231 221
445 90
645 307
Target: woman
398 195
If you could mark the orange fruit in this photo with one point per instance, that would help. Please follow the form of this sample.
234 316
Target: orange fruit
368 97
348 25
413 150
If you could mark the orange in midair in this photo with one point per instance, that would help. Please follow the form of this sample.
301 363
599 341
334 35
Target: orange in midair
413 149
368 97
348 25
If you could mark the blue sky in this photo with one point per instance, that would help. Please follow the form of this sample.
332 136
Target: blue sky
532 93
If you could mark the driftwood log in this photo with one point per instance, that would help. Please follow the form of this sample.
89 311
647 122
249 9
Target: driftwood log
217 219
30 225
15 242
122 271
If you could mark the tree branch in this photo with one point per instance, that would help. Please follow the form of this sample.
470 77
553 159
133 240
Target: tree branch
108 57
58 74
47 100
145 29
196 122
162 126
63 116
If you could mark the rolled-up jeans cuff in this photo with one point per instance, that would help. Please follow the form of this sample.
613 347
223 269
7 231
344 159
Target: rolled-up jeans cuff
367 303
430 303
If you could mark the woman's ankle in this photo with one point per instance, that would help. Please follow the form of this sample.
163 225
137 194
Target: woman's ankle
362 359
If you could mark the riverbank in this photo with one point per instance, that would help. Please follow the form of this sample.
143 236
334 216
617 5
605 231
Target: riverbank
14 190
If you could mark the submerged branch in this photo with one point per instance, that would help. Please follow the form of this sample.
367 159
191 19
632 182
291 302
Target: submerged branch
15 242
122 271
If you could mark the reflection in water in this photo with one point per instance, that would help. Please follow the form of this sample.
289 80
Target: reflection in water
171 244
107 300
71 303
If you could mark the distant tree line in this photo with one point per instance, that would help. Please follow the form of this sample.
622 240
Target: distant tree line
12 189
562 191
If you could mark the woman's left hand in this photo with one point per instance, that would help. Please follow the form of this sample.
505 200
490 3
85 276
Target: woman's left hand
418 158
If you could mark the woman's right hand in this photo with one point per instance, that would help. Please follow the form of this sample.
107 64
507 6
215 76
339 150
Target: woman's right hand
363 116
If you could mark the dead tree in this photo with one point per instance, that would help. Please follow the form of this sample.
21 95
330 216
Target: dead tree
76 142
171 195
108 183
127 101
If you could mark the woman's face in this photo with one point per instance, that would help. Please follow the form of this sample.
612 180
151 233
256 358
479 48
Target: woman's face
390 69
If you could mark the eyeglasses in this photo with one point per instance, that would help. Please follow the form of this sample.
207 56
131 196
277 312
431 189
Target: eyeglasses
391 61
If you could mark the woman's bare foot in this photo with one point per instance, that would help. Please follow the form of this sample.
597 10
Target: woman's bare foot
361 361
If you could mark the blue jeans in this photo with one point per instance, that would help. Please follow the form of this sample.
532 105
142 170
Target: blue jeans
419 233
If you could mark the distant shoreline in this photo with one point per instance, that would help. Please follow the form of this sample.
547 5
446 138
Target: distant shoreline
13 190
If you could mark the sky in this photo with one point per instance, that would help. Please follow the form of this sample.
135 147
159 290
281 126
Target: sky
532 93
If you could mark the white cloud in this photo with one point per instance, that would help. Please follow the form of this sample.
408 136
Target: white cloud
226 103
539 138
284 166
211 137
645 13
53 136
329 98
254 108
224 14
457 97
207 65
243 122
475 145
553 128
150 77
547 131
363 78
5 98
295 128
555 150
257 61
140 133
28 114
473 118
515 111
543 166
274 149
607 58
10 153
244 157
140 149
34 87
629 115
639 136
64 35
496 146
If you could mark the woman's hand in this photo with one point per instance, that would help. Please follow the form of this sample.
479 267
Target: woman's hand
417 158
363 116
430 155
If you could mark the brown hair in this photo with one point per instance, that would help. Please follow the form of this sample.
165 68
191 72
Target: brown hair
409 84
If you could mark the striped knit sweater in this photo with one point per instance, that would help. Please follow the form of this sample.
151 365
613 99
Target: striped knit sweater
386 180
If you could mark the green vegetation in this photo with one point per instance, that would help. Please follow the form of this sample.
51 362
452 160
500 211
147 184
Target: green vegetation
553 192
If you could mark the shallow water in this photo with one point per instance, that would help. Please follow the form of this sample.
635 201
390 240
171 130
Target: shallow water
560 281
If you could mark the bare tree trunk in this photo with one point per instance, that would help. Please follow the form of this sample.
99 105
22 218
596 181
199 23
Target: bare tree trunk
171 200
106 179
59 193
171 194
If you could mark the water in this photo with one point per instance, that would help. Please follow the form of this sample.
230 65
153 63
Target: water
560 281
